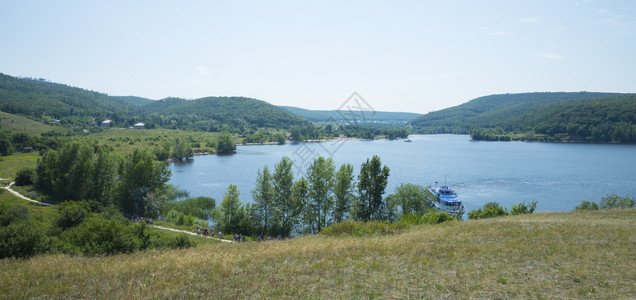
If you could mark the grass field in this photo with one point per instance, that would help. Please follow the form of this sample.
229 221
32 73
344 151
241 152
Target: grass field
545 255
127 140
11 164
20 124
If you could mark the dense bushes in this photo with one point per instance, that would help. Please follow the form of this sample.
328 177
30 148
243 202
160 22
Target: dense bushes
490 210
24 177
72 214
18 234
21 239
98 235
522 208
73 229
608 202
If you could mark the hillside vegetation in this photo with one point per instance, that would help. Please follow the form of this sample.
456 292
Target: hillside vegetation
493 110
211 113
42 101
581 117
544 255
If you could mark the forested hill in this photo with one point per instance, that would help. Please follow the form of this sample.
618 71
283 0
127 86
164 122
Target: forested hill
41 99
369 117
210 112
494 110
133 100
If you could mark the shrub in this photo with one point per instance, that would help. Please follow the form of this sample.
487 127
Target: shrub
72 214
21 239
490 210
411 219
616 202
435 217
182 241
522 208
12 213
24 177
99 235
587 205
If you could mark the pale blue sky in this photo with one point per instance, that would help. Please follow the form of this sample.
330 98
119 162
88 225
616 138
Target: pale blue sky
416 56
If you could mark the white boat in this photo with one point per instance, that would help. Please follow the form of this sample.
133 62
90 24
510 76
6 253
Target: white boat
446 199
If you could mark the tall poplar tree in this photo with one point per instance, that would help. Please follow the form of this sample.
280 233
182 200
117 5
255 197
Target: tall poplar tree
343 192
286 208
372 181
320 179
263 195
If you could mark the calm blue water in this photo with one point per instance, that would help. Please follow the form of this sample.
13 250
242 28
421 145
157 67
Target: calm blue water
558 176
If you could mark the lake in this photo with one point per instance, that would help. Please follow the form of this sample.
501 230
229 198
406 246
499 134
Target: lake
557 175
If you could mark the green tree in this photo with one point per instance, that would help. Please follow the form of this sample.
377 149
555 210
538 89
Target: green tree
6 147
24 177
181 149
140 174
103 176
286 213
320 179
411 199
372 181
300 190
343 192
225 143
264 206
229 210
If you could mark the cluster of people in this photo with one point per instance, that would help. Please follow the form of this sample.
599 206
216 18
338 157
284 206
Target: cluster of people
207 232
239 238
137 219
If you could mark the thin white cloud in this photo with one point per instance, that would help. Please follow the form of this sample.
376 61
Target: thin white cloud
602 11
498 33
621 24
528 20
549 55
204 71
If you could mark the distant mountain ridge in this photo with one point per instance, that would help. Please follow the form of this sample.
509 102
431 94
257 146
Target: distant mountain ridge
495 110
227 109
42 100
369 116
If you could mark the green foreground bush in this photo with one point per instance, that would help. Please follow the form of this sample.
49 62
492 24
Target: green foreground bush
611 201
73 229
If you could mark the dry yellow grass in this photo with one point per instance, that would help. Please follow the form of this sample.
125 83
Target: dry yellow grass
545 255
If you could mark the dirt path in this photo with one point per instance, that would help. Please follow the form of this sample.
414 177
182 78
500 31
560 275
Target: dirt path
8 188
190 233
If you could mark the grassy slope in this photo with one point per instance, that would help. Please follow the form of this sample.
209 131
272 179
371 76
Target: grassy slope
545 255
15 124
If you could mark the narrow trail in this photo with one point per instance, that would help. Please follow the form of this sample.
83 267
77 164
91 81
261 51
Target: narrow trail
190 233
8 188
